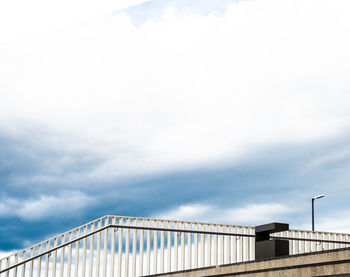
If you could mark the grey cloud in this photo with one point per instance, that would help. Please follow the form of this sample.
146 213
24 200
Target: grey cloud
287 174
30 163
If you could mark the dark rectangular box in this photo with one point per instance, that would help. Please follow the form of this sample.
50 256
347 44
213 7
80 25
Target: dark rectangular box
271 248
272 227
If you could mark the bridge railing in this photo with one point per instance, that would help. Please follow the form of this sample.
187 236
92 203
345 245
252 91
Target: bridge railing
130 246
302 241
127 246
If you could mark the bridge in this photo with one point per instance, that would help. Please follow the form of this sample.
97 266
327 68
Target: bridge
133 246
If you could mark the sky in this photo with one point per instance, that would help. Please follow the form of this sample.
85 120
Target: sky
220 111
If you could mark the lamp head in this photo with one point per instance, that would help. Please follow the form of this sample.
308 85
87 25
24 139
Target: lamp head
318 196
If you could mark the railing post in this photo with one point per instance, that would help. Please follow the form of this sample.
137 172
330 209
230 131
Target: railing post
203 246
141 248
120 247
148 257
183 248
176 247
155 248
7 265
91 253
97 271
83 269
162 241
209 246
16 261
77 249
196 248
39 263
189 248
169 250
54 266
134 247
31 264
62 256
112 249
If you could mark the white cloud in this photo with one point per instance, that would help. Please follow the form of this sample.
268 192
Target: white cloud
183 90
339 222
250 214
20 18
66 203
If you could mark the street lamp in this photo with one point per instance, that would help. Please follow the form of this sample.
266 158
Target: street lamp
313 216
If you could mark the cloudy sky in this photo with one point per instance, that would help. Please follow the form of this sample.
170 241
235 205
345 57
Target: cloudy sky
214 110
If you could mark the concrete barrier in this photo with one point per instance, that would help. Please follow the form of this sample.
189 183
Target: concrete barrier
316 264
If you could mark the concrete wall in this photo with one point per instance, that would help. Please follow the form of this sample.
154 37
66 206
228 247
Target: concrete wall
324 263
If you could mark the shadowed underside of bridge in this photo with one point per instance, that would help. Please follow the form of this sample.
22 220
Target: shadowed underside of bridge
131 246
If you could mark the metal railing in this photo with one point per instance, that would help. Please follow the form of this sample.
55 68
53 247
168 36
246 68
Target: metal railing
130 246
302 241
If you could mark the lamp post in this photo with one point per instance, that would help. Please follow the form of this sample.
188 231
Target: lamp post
313 212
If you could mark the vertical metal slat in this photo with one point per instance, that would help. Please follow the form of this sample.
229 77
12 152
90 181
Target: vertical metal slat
16 268
183 248
91 252
169 251
112 249
83 268
302 243
69 266
105 251
141 249
241 242
7 265
234 246
120 248
176 248
54 265
24 257
98 249
222 247
216 252
247 247
77 248
39 261
134 245
127 248
196 247
229 254
62 256
31 262
162 240
203 247
47 261
155 250
308 246
148 257
252 232
189 250
209 247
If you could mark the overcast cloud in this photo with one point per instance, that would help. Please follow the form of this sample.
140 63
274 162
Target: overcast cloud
204 110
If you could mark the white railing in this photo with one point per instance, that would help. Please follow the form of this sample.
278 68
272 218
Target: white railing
130 246
302 241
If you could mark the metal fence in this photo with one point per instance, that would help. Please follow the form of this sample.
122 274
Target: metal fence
129 246
307 241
